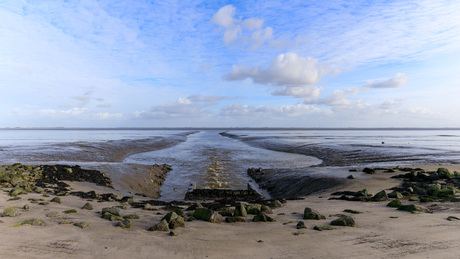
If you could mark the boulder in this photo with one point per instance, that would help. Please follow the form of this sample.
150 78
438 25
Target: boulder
207 215
300 225
254 209
312 214
171 216
116 211
321 228
82 224
262 217
53 214
395 204
125 223
177 223
32 222
162 226
368 170
266 209
344 220
395 195
56 200
276 204
11 212
240 211
351 177
414 208
16 191
226 212
380 196
443 173
87 206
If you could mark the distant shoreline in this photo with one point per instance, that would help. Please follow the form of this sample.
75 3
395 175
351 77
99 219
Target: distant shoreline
221 128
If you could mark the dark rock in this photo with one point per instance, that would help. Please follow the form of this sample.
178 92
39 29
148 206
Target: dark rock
352 211
395 204
351 177
234 219
116 211
395 195
262 217
254 209
344 221
32 222
312 214
226 212
452 218
380 196
56 200
276 204
321 228
240 211
266 209
414 208
82 224
87 206
162 226
300 225
125 223
368 170
11 212
207 215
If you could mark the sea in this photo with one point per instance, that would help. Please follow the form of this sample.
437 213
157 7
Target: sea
219 158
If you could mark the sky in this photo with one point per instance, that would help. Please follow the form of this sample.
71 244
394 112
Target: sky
305 63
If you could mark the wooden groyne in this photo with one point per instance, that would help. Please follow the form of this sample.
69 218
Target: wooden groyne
216 194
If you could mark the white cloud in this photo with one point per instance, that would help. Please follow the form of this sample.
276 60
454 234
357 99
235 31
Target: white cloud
397 81
250 111
290 74
247 32
108 116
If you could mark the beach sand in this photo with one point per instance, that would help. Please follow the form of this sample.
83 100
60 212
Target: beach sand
380 232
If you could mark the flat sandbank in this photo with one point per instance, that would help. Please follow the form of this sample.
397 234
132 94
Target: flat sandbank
380 231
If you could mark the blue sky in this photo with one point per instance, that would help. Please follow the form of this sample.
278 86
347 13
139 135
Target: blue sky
263 63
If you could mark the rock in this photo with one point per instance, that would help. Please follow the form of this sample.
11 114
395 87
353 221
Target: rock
162 226
414 208
452 218
125 223
53 214
179 212
69 211
312 214
266 209
56 200
240 211
414 198
26 207
234 219
82 224
116 211
111 217
352 211
226 212
395 195
300 225
65 222
32 222
11 212
276 204
351 177
207 215
262 217
16 191
172 233
321 228
254 209
380 196
177 223
443 173
147 206
368 170
131 216
344 221
87 206
170 217
395 204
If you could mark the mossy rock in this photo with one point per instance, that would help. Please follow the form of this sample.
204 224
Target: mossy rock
32 222
300 225
352 211
240 211
344 220
413 208
65 222
53 214
69 211
395 195
444 173
116 211
17 191
162 226
262 217
87 206
395 204
131 216
179 212
380 196
82 224
179 222
11 212
414 198
312 214
125 223
56 200
254 209
266 209
226 212
321 228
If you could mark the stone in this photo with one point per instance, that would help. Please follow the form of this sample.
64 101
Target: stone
380 196
276 204
312 214
179 212
65 222
131 216
234 219
443 173
177 223
262 217
16 191
53 214
413 208
321 228
395 204
226 212
368 170
452 218
266 209
351 177
344 220
240 211
116 211
147 206
72 211
172 233
352 211
26 207
254 209
395 195
32 222
207 215
300 225
11 212
125 223
56 200
414 198
87 206
170 217
82 224
162 226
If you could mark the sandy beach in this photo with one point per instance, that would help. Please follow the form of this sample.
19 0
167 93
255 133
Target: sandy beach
380 231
